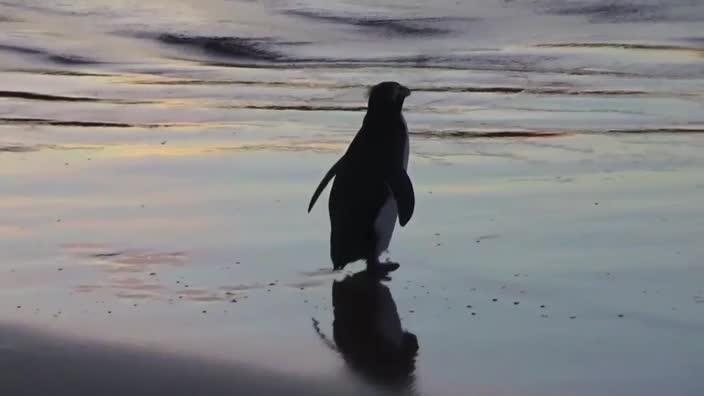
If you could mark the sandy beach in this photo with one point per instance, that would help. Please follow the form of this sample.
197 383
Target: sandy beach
154 186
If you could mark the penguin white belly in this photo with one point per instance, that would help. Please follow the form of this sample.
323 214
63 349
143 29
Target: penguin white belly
386 218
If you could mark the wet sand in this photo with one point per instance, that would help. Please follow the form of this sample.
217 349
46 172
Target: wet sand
529 267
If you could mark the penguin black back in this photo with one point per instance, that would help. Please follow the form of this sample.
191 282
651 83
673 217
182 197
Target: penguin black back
370 173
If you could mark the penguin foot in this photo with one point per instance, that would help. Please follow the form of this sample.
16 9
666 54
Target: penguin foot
381 270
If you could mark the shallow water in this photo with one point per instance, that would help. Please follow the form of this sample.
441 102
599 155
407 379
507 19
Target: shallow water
157 157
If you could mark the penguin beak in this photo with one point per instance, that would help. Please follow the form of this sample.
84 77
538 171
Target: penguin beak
405 92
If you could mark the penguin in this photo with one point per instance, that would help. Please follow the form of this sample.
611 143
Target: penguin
371 189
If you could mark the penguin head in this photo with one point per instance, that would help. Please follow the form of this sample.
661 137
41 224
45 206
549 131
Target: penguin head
387 96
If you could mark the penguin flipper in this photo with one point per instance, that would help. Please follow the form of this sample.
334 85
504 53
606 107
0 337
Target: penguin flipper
323 183
402 189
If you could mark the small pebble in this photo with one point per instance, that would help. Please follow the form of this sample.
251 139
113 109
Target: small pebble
542 306
59 269
494 299
469 306
233 300
109 312
152 273
19 307
204 311
620 315
573 317
516 302
474 314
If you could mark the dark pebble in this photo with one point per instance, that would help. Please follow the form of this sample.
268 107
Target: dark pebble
573 317
59 269
19 307
494 299
474 314
516 302
469 306
152 273
620 315
204 311
542 306
233 300
272 284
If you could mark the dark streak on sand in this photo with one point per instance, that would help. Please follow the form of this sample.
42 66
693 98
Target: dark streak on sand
301 107
387 26
657 130
38 96
624 46
18 149
448 134
61 59
62 98
234 47
95 124
53 72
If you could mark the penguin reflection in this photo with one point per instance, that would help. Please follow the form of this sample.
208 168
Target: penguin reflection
367 331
